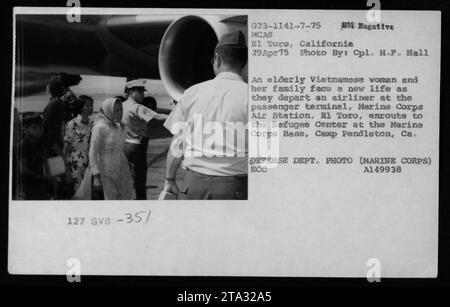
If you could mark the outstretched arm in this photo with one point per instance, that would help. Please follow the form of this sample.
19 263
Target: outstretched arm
160 116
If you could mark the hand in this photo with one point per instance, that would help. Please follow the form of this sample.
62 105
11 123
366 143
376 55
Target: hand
171 187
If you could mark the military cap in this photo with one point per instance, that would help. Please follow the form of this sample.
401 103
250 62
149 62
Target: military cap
232 39
136 84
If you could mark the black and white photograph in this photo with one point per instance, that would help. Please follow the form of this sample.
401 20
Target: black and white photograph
254 142
99 105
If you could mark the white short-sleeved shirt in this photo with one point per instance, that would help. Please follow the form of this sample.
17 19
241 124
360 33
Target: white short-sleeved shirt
217 111
135 119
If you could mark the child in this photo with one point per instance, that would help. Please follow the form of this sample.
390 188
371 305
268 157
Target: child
33 182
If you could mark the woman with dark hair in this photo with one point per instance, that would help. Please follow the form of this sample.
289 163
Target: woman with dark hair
108 175
76 139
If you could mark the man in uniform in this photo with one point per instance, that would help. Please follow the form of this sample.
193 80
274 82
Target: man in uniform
211 172
136 119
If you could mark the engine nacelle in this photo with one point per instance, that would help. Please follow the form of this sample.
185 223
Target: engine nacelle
186 50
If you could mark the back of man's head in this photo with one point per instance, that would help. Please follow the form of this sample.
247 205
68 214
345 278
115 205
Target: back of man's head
233 56
232 49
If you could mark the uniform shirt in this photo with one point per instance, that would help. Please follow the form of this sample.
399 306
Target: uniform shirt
135 119
215 102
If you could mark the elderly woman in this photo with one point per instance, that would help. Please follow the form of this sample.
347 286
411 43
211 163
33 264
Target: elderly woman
108 173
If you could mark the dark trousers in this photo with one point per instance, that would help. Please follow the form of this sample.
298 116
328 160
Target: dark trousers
137 158
201 186
35 189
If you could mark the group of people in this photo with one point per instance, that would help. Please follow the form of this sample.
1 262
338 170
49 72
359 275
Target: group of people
97 164
106 158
